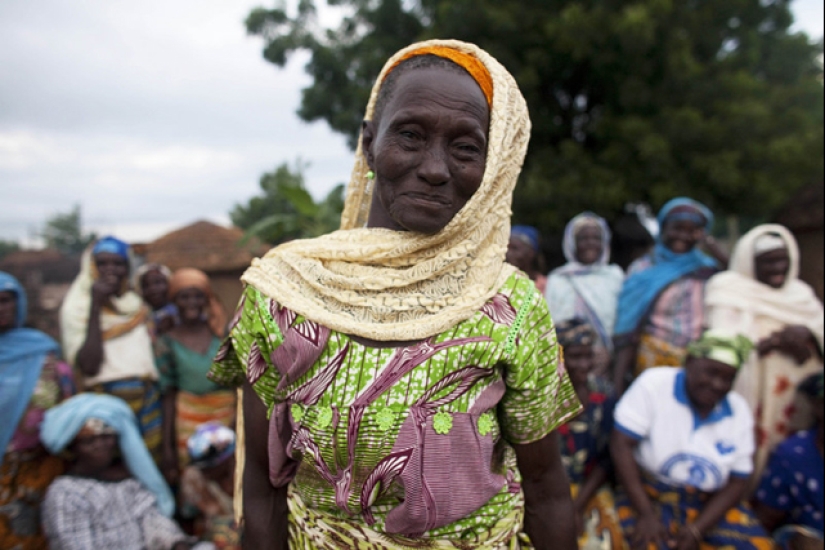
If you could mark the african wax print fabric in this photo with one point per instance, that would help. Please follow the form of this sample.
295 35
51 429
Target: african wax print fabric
676 507
400 285
24 479
737 302
794 481
585 444
408 443
91 514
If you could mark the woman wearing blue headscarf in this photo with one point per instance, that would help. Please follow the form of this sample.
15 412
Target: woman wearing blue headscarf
31 381
661 305
105 327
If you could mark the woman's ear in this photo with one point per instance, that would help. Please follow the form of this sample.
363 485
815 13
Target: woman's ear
367 141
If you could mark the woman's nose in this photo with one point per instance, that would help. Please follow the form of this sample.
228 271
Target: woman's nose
434 168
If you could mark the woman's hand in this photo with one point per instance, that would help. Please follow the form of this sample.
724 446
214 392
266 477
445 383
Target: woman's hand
794 341
649 530
103 290
687 539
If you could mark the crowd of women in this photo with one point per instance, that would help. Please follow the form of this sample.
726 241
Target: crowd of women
116 438
403 386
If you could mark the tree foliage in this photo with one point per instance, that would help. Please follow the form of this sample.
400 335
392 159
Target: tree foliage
630 99
287 210
65 232
7 247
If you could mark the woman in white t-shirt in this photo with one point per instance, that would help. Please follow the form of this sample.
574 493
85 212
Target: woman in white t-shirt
683 448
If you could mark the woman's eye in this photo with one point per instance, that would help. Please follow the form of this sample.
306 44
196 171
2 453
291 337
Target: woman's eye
468 148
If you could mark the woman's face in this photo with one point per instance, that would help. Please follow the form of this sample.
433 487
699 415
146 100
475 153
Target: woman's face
520 254
155 288
95 452
771 268
708 382
681 236
578 360
428 150
8 310
112 268
191 303
589 245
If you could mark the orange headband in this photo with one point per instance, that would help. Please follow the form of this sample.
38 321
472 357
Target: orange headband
467 62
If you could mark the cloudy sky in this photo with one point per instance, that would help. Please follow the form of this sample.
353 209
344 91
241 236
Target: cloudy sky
154 114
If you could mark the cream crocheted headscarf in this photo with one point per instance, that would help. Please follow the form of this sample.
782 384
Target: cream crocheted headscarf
399 286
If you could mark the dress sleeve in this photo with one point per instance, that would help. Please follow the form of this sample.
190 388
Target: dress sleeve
246 352
165 363
66 520
539 395
746 444
635 410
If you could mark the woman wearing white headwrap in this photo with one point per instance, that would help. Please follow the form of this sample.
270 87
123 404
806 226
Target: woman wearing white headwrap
762 297
408 379
587 286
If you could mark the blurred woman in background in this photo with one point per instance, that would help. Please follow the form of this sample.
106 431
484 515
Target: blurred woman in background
184 355
152 283
32 380
587 286
524 252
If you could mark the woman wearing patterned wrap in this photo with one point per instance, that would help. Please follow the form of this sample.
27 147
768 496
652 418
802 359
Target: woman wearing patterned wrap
585 440
106 332
683 451
588 286
661 305
413 378
32 380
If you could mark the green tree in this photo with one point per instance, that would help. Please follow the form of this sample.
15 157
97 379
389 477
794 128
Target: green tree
630 99
287 210
7 247
65 232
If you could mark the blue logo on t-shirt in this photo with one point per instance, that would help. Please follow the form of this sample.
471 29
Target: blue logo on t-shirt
725 448
692 470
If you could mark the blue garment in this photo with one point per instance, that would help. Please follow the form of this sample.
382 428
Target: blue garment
641 289
793 481
22 352
111 245
527 233
63 422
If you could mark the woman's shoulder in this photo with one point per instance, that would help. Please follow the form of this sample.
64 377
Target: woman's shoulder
520 291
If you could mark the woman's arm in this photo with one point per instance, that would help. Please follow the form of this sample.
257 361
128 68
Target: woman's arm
649 530
171 464
549 518
726 498
623 366
264 506
90 355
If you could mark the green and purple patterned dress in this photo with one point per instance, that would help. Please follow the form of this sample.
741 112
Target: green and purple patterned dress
405 447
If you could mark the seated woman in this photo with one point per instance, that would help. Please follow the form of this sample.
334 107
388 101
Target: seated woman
32 380
588 286
585 440
183 356
683 450
792 492
208 485
152 283
112 495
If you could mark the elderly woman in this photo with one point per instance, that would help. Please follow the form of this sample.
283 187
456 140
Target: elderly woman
183 357
585 450
791 494
683 450
32 380
152 283
661 305
587 286
408 378
762 297
112 495
105 328
524 252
